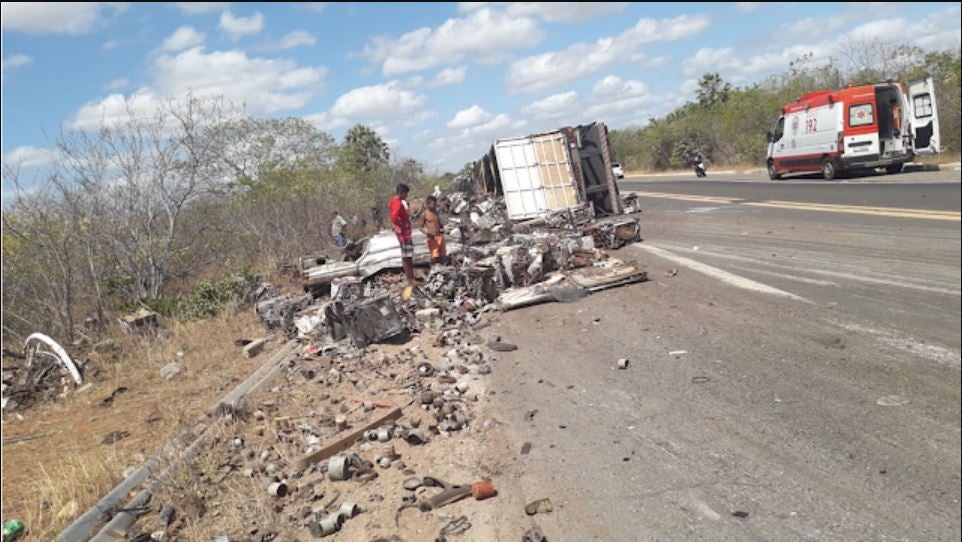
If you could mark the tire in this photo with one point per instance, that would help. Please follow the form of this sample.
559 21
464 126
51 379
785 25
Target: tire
773 173
892 169
828 169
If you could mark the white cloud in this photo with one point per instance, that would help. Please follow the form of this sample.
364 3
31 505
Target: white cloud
613 97
237 27
706 59
689 86
29 157
263 85
184 37
117 84
656 62
15 61
615 101
110 44
326 121
545 70
316 7
296 39
52 17
450 76
937 31
499 121
552 107
115 110
810 28
420 117
469 117
377 101
200 8
556 12
485 35
746 7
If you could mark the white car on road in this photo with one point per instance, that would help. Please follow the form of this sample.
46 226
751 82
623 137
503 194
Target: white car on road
618 170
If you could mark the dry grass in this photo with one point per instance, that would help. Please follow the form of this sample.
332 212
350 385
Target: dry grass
937 158
64 468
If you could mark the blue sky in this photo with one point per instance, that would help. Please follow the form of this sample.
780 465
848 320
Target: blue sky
438 81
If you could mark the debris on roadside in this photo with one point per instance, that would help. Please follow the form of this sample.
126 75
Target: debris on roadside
44 371
377 386
140 322
540 506
169 371
533 535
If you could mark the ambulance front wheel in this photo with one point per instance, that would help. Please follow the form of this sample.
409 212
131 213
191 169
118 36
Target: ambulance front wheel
828 169
773 173
892 169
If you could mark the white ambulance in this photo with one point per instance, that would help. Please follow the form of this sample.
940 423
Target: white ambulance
857 128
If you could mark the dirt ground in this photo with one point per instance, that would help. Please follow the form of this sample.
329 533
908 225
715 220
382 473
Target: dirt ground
55 464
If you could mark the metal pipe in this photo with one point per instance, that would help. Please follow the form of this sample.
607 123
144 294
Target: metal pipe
83 526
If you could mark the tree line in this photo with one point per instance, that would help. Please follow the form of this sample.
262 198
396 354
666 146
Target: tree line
156 210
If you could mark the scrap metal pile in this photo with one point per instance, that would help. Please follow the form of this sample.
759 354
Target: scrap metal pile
360 428
369 381
47 371
495 264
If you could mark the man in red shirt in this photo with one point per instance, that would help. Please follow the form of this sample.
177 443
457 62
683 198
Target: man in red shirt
401 223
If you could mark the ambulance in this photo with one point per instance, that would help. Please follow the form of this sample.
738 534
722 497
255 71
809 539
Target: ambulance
857 128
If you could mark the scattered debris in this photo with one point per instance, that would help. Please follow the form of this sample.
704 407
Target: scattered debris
677 352
700 379
451 493
170 370
255 347
740 514
278 312
42 372
141 322
109 400
12 530
348 331
499 346
623 363
533 535
454 527
540 506
892 400
114 436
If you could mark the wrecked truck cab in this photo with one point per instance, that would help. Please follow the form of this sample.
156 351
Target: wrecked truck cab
381 253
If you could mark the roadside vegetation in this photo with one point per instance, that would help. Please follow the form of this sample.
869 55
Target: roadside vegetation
727 124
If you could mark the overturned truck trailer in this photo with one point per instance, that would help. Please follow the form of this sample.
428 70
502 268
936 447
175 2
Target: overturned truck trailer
546 172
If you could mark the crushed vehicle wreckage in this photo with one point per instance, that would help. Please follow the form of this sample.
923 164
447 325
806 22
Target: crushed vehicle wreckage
351 335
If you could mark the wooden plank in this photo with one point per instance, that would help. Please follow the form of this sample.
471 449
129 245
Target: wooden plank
347 441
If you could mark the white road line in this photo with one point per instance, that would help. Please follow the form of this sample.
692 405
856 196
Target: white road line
900 283
719 274
905 343
795 278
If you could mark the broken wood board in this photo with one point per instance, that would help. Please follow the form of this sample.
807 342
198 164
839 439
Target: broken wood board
603 277
255 347
348 440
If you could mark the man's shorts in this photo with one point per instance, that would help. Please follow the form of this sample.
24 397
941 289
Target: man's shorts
407 246
437 247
